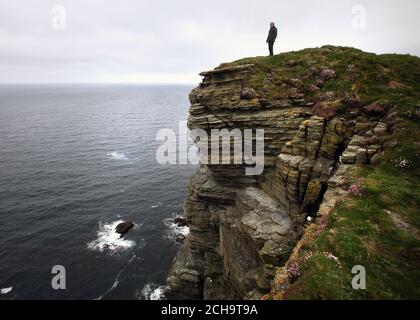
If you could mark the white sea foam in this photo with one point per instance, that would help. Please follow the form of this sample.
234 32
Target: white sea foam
117 156
151 291
6 290
110 240
159 204
173 230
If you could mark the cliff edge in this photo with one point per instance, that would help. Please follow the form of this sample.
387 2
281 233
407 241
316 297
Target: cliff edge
336 122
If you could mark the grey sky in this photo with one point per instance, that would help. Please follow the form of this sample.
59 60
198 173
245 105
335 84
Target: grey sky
171 41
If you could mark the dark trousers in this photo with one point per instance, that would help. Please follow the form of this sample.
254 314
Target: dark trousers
270 47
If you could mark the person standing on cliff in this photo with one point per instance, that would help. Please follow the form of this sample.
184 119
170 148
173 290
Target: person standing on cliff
272 35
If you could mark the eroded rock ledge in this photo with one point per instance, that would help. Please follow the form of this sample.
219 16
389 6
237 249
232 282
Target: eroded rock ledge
243 228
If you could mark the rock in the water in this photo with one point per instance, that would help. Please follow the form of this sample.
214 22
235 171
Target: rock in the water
124 227
181 222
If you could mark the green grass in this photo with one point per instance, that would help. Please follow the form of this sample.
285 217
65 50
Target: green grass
393 77
360 232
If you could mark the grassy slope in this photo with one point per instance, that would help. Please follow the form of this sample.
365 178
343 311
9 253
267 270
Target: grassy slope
366 75
360 231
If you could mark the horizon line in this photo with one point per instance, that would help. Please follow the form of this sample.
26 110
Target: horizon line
100 83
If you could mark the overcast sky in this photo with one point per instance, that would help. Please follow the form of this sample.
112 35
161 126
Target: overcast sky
171 41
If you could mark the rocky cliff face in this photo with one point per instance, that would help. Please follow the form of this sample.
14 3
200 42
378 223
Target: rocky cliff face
243 228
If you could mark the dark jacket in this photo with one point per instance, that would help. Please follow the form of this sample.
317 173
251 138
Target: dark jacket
272 34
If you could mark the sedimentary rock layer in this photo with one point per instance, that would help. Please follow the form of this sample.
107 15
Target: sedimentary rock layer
242 228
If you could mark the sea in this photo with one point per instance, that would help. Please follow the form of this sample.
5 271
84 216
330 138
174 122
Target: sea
75 161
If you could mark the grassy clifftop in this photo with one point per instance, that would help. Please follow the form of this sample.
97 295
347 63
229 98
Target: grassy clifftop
376 226
365 76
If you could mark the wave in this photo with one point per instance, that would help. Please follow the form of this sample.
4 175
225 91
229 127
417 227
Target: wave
151 291
158 205
109 240
175 230
117 156
6 290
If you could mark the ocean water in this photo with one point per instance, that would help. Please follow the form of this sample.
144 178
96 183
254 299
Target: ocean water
75 160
